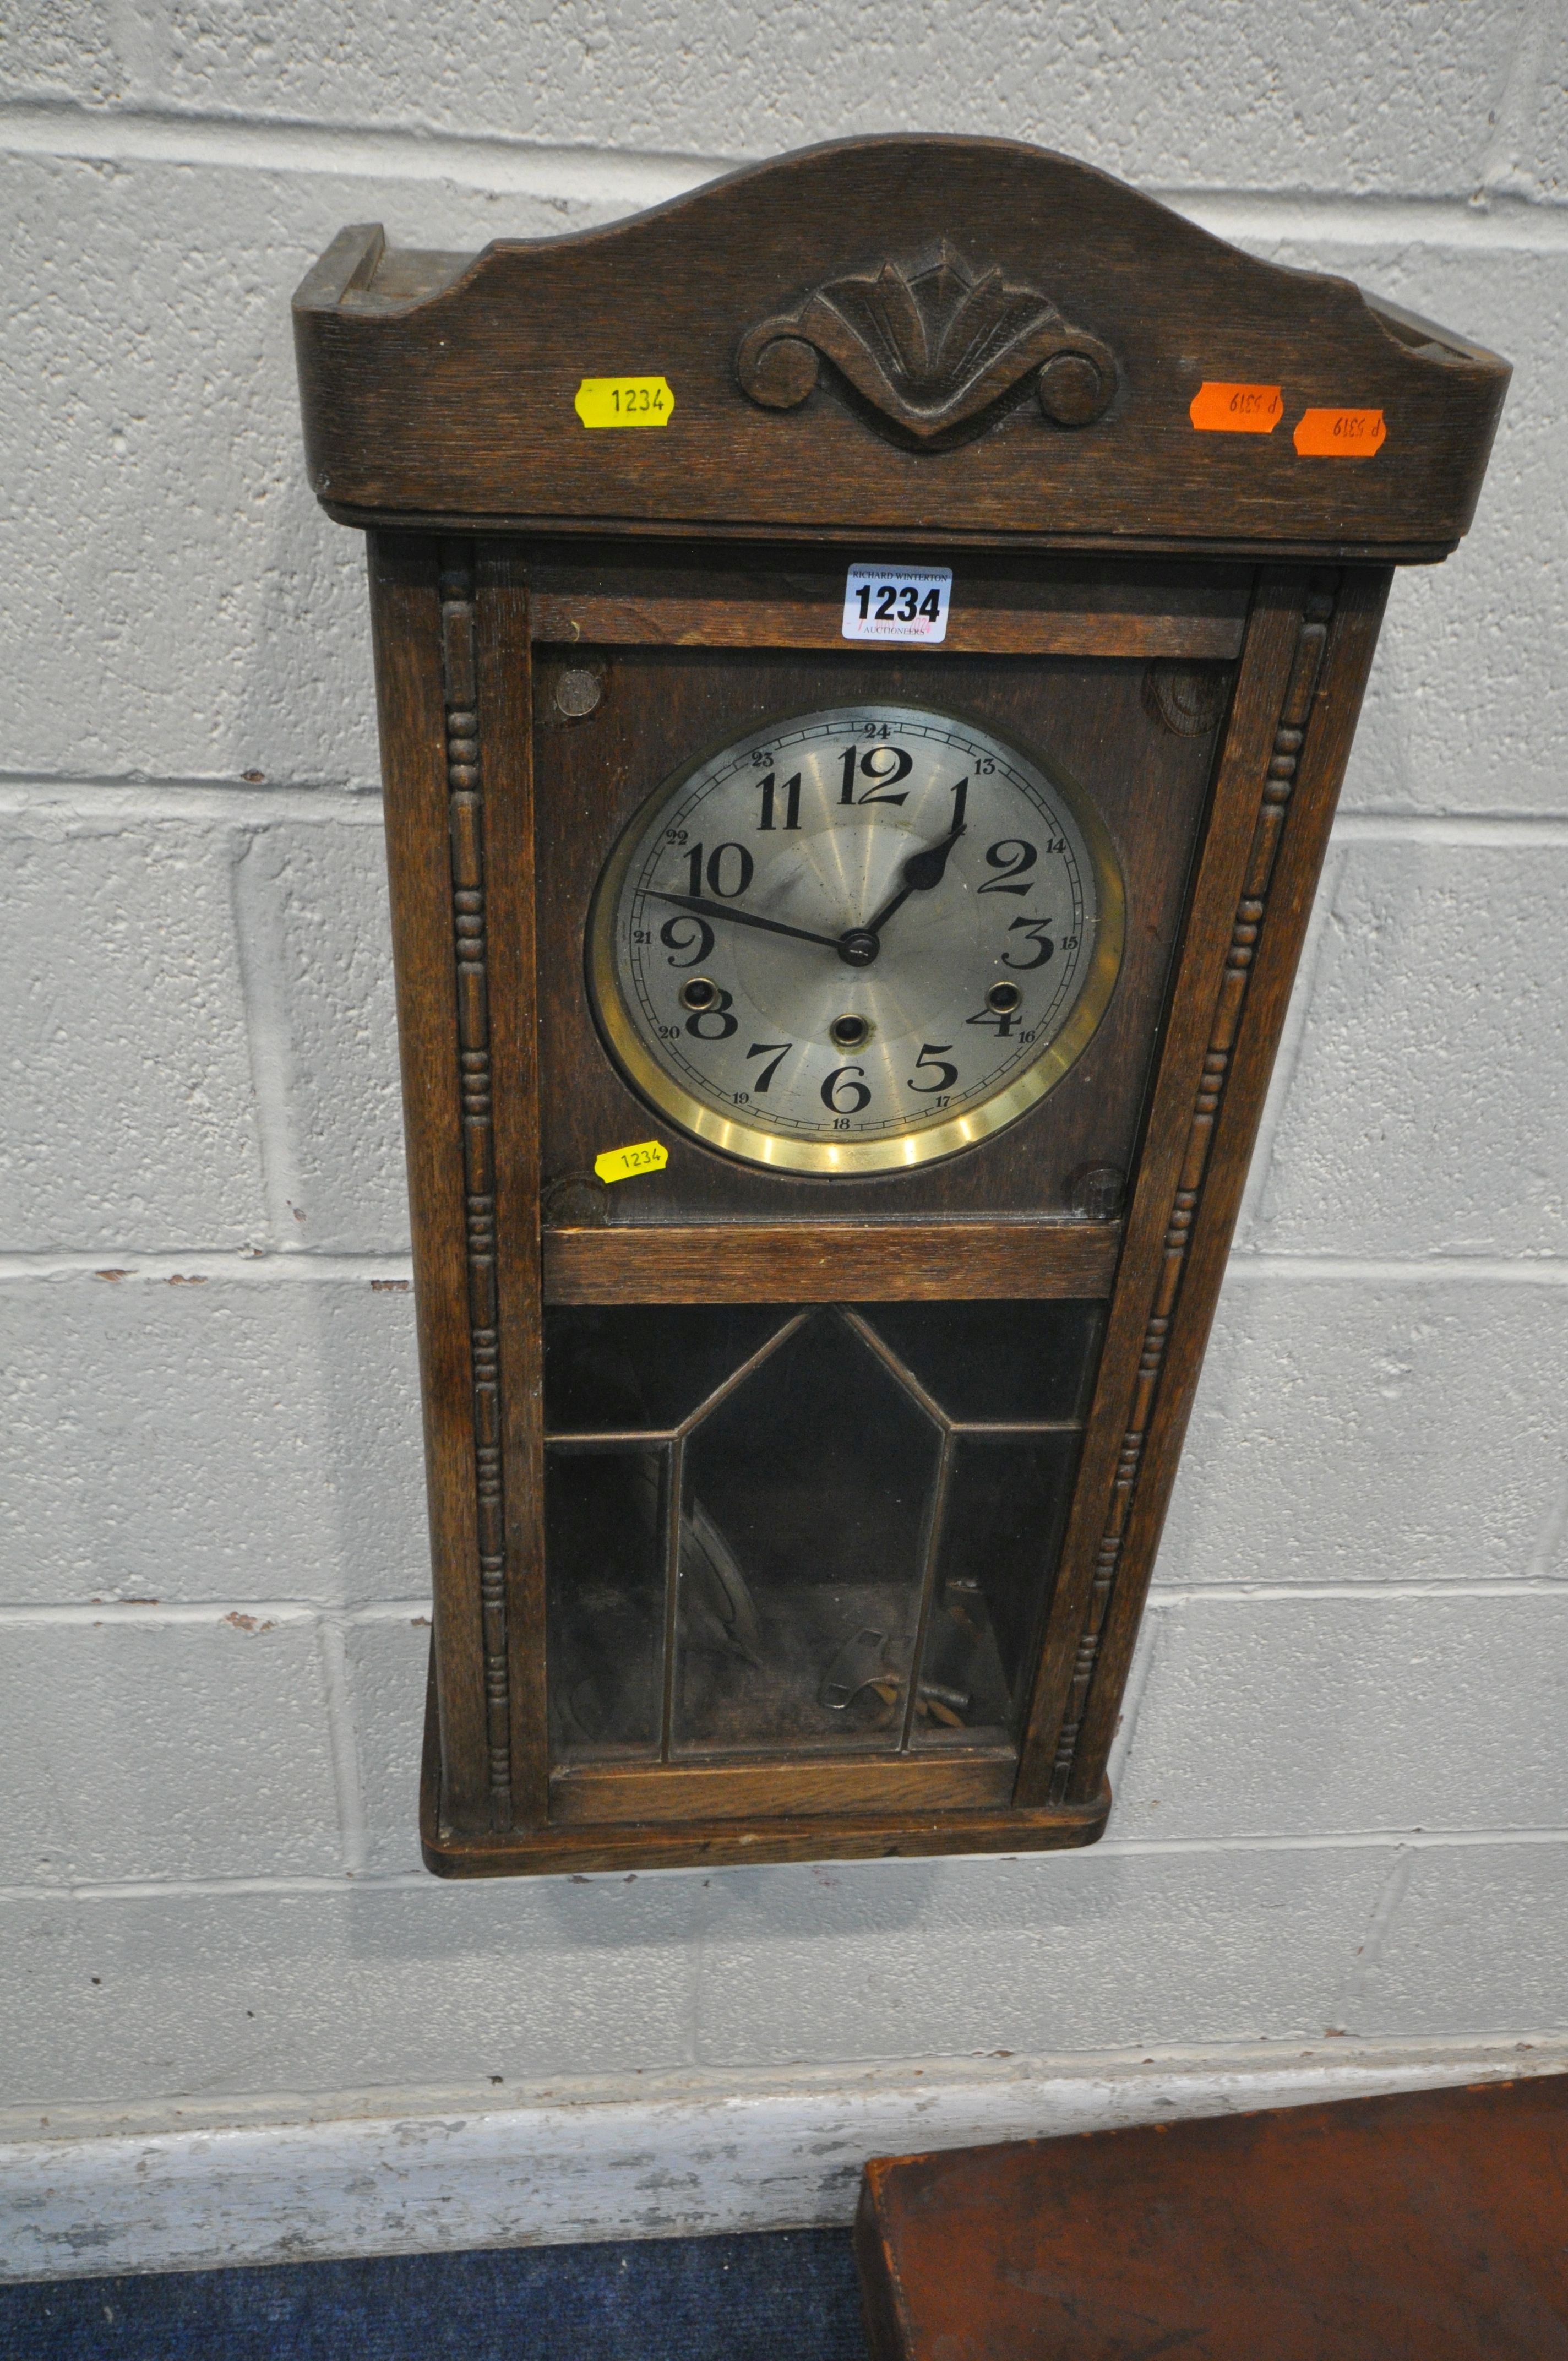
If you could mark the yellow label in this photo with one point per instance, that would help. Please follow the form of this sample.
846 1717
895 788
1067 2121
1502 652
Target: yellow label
621 1163
624 401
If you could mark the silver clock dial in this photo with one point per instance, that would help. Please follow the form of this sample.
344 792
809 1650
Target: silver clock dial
855 940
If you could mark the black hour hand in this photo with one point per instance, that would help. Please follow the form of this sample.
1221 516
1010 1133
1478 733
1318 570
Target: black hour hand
919 873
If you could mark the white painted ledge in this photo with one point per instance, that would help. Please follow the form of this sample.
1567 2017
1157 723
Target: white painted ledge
681 2157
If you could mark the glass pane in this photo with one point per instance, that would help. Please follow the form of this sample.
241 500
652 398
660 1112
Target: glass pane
1011 1363
807 1495
604 1524
1007 1504
643 1365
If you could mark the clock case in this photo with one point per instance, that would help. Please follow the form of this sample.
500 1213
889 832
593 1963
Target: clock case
997 377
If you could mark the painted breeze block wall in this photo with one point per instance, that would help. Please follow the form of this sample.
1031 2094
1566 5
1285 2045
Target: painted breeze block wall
1342 1794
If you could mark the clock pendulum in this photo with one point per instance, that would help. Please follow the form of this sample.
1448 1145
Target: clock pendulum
861 724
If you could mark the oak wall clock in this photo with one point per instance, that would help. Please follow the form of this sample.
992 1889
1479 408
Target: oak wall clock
861 714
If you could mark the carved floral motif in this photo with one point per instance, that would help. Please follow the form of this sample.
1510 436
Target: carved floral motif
931 345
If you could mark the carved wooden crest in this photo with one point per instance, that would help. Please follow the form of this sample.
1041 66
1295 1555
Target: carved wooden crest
931 345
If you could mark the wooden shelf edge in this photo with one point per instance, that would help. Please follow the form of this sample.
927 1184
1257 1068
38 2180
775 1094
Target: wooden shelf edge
582 1849
658 620
1329 549
829 1262
879 1836
938 1779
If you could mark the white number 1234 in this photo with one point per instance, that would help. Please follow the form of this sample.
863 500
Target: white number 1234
897 603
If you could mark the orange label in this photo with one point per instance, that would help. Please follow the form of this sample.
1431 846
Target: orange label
1236 409
1340 434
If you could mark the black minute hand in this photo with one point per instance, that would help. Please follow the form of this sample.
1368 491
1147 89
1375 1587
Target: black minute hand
920 873
740 918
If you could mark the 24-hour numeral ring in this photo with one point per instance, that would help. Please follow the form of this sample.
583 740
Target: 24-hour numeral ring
855 940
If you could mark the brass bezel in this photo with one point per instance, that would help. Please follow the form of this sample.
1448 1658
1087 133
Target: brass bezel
922 1144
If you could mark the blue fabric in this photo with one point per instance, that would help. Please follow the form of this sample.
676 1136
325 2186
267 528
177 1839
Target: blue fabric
787 2295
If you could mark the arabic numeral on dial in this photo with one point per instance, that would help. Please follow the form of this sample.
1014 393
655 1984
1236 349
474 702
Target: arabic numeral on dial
883 766
1001 1020
960 792
1038 932
715 1012
1012 857
744 870
775 1052
770 797
693 935
843 1078
931 1061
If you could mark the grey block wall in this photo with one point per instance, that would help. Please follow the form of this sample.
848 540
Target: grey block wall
1343 1800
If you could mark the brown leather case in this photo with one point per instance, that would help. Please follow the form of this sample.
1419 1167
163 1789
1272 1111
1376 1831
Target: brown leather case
1431 2226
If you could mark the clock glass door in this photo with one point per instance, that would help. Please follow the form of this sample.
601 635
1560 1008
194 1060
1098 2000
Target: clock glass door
823 1530
876 947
